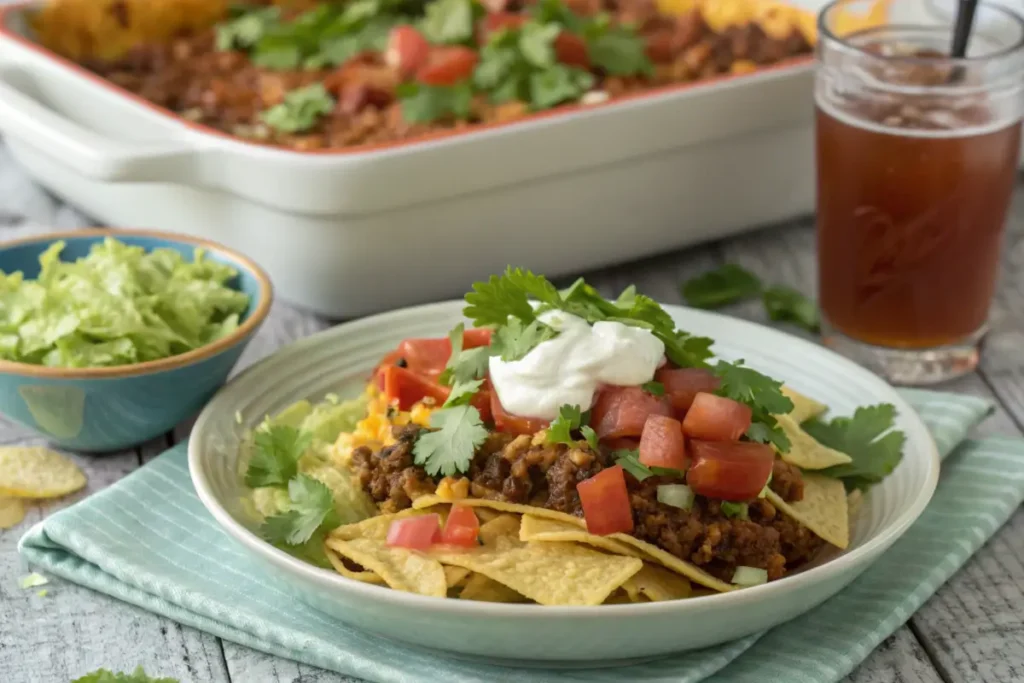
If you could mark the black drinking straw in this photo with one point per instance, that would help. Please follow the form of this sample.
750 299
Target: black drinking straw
962 30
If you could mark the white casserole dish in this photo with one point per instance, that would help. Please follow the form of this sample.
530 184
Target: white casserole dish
352 232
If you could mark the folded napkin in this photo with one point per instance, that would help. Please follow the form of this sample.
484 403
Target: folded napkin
148 540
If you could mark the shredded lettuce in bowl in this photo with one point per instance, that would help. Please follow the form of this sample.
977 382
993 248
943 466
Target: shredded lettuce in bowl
119 305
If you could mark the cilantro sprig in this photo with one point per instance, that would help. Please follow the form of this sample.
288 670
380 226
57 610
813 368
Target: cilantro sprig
731 283
869 438
629 460
300 110
571 419
275 455
764 396
464 365
457 433
312 510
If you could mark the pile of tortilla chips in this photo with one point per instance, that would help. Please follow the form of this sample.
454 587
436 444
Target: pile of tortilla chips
33 472
531 554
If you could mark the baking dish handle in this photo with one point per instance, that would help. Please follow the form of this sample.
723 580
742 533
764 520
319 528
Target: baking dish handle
88 152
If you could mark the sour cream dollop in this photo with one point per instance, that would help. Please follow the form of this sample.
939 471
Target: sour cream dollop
568 369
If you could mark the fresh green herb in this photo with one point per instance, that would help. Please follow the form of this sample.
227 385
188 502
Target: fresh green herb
557 12
464 365
463 392
514 340
508 296
591 437
868 437
370 35
312 509
617 50
767 485
785 304
449 21
300 110
275 455
764 396
630 461
426 103
137 676
570 419
558 84
537 43
450 448
654 388
246 30
734 510
722 286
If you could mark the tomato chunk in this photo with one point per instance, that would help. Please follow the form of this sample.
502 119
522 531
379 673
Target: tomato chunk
475 337
419 532
447 66
426 357
462 527
407 50
410 388
623 411
662 443
683 384
730 470
716 418
605 502
571 50
514 424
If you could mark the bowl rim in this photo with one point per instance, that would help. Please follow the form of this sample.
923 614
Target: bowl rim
848 562
248 326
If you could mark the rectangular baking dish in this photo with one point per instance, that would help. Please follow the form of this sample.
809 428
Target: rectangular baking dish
347 233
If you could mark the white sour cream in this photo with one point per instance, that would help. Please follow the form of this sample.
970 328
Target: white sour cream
568 369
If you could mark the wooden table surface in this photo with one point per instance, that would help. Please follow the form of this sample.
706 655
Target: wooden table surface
971 630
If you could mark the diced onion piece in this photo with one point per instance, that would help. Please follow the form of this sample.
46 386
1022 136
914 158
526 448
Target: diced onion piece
764 491
677 495
750 576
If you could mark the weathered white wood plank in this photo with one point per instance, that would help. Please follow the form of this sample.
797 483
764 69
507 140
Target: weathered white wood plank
899 659
250 665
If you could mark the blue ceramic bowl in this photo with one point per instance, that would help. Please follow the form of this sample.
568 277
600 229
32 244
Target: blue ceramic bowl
106 409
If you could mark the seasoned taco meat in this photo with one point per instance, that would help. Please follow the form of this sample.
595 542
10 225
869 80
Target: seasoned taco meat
389 475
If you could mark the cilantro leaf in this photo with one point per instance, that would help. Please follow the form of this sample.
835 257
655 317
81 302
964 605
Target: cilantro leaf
654 388
463 392
536 43
868 438
764 396
427 103
619 51
312 508
300 110
570 419
106 676
629 460
722 286
734 510
514 340
785 304
558 84
450 449
628 297
246 30
448 21
591 436
495 301
464 366
275 455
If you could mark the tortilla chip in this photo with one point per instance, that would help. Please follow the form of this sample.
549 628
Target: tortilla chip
804 408
377 527
547 573
12 511
620 597
37 472
823 509
534 528
483 589
657 584
355 575
853 502
401 569
804 451
454 576
651 552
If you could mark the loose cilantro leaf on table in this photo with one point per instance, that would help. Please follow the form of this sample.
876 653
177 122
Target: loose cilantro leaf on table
868 438
764 396
450 449
785 304
312 509
425 103
106 676
722 286
300 110
464 365
275 455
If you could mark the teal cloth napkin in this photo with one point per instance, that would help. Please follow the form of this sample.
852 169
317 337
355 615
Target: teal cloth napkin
148 540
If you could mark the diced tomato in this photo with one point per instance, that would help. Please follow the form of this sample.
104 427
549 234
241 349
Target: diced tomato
662 443
716 418
730 470
623 411
426 357
497 21
419 532
482 401
622 444
605 502
683 384
407 50
475 337
448 65
514 424
571 50
388 359
410 388
462 527
495 6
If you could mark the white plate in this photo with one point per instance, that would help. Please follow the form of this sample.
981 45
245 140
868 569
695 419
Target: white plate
340 359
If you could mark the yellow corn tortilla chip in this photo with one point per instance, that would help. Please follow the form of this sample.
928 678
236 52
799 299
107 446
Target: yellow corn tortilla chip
804 450
657 584
454 576
804 408
37 472
652 552
377 527
401 569
339 566
534 528
823 509
853 502
547 573
620 597
12 511
483 589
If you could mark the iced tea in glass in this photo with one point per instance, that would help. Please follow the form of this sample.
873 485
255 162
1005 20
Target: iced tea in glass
917 157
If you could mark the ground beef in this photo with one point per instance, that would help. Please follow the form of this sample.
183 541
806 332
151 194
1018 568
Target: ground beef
787 481
389 475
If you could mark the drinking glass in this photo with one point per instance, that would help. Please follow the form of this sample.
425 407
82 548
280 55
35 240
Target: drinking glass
917 157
